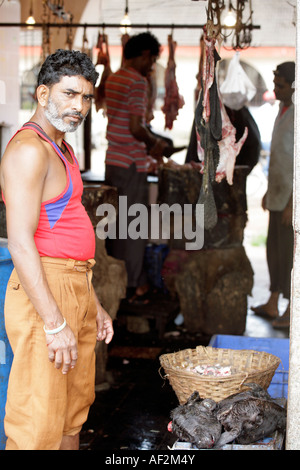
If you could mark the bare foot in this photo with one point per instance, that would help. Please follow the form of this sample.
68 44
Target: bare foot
141 290
269 309
141 295
283 321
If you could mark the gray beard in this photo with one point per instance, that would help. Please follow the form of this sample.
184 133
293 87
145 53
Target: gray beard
51 113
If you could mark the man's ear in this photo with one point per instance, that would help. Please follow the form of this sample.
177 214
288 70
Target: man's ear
42 94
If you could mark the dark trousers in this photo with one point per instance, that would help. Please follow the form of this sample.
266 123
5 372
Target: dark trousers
280 247
134 186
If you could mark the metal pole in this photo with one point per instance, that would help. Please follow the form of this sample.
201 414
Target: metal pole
105 25
112 25
293 415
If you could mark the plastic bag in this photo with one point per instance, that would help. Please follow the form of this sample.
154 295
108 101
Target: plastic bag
237 89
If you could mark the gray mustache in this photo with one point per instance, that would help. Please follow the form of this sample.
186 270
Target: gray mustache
75 114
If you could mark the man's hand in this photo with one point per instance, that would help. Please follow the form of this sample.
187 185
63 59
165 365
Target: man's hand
152 165
157 151
104 326
105 329
62 349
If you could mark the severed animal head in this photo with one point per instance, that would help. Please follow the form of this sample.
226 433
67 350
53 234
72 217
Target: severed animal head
195 422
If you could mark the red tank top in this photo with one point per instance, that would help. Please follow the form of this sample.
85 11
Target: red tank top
64 229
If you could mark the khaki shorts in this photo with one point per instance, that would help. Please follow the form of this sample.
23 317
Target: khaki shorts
42 403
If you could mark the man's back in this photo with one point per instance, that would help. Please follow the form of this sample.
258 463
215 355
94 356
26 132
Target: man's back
126 94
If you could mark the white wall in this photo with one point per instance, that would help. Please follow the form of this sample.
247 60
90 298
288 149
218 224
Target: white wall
9 72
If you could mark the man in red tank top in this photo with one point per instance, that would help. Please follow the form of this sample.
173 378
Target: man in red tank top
52 314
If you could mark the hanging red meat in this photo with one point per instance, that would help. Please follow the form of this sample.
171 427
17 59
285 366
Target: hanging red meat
125 37
173 100
151 94
200 71
102 59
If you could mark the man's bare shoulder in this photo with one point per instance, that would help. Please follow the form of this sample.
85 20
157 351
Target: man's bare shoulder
26 148
26 140
25 156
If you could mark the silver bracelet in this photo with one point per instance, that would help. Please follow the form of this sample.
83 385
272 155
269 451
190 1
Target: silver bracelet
56 330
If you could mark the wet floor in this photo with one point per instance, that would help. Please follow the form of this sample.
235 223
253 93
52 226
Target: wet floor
133 413
132 410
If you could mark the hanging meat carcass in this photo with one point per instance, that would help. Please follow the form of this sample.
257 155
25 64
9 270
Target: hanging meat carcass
216 136
85 43
151 94
102 59
173 100
124 39
200 70
208 121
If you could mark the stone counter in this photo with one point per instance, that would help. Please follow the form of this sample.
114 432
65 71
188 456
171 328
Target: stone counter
212 284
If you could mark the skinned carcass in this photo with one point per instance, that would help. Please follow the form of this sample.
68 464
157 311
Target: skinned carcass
173 100
103 58
229 148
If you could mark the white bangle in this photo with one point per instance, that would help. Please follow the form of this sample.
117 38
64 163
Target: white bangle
56 330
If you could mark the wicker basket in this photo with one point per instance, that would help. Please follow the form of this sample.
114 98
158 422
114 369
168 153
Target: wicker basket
246 366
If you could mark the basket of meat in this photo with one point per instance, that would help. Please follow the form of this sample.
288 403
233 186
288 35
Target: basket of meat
217 373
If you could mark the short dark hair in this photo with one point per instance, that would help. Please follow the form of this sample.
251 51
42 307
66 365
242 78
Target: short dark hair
64 62
287 71
139 43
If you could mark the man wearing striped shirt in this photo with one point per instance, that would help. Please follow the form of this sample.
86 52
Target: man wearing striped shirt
129 144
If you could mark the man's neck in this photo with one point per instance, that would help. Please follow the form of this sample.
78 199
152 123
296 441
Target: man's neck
53 133
133 64
287 103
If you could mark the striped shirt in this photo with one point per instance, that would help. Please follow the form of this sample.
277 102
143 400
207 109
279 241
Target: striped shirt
125 94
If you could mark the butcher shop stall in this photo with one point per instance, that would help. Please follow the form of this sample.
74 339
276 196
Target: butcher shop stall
191 366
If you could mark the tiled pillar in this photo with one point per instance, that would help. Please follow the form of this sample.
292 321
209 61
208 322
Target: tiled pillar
293 408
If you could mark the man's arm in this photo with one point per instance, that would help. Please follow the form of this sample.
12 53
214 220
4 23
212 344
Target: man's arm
155 146
23 172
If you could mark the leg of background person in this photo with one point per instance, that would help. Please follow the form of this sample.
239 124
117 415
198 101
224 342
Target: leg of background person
286 261
270 308
133 185
138 193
